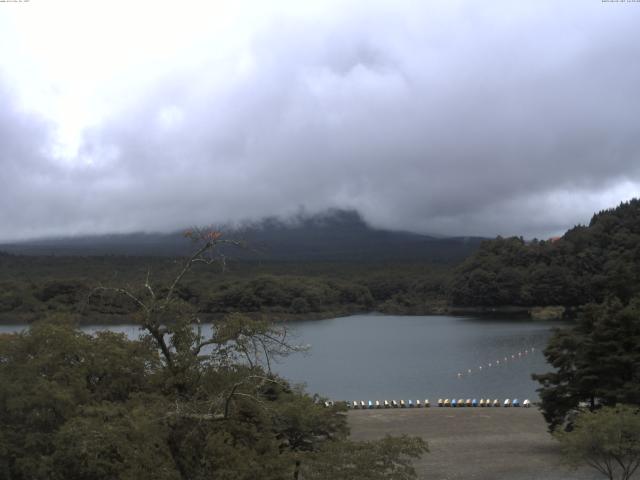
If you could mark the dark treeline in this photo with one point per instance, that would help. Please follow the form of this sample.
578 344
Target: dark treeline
31 286
587 264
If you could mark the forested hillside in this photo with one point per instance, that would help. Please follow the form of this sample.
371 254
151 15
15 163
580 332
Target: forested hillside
587 264
34 286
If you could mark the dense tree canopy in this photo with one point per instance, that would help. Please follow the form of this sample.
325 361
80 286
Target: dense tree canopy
31 287
586 265
174 404
607 440
596 361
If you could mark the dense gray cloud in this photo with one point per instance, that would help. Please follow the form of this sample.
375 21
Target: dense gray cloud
469 119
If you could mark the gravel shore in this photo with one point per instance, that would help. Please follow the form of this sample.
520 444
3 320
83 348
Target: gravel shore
473 443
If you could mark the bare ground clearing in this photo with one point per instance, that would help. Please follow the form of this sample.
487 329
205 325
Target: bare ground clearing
473 443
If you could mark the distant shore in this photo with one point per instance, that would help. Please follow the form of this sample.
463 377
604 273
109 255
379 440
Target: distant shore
531 313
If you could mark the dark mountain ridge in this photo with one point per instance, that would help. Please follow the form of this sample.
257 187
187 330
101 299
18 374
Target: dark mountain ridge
336 235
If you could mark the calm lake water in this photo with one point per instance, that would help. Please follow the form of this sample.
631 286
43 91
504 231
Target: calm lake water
372 356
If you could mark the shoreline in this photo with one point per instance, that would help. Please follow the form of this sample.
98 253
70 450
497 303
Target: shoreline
514 313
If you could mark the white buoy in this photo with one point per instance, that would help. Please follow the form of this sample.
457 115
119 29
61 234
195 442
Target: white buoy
489 365
480 367
497 362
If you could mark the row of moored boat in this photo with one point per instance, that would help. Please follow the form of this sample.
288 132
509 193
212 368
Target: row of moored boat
469 402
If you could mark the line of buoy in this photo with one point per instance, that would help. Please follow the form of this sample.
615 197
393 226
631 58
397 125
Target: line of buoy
515 356
455 403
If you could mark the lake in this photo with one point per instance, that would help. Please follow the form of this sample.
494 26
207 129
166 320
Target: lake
369 357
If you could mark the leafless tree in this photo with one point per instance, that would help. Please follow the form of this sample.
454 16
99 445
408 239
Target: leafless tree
177 331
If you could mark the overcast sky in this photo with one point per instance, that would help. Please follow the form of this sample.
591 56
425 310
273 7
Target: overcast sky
445 117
